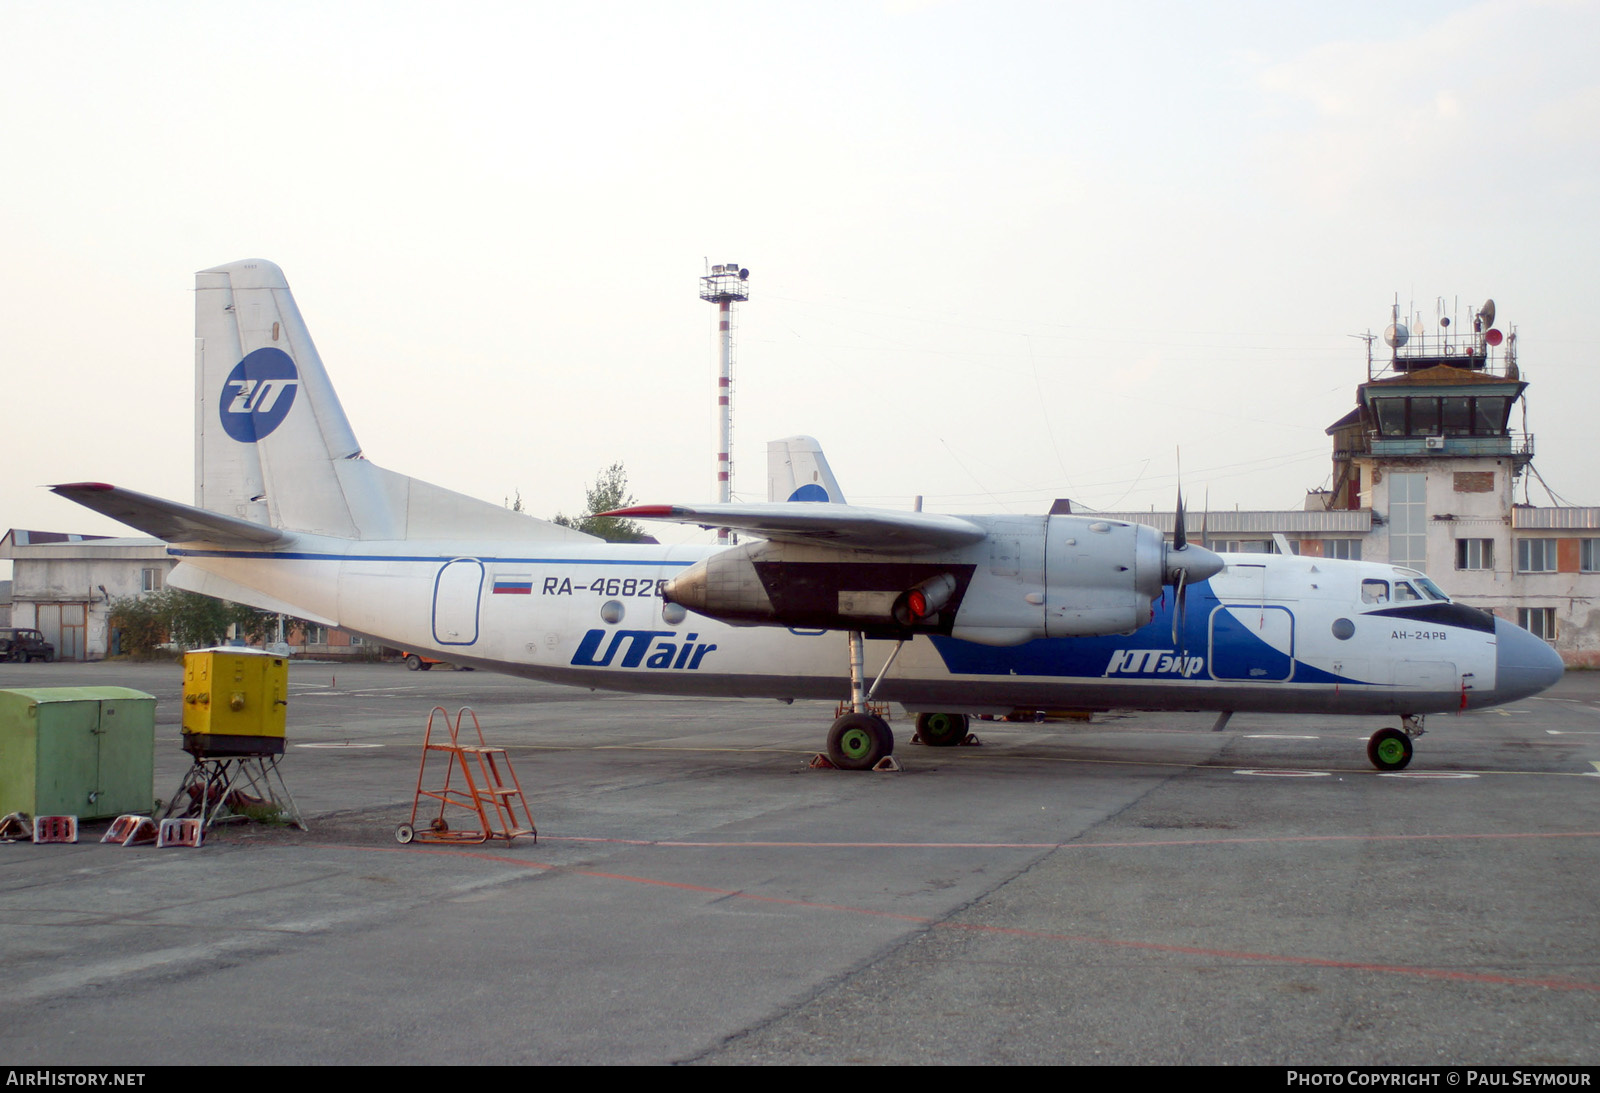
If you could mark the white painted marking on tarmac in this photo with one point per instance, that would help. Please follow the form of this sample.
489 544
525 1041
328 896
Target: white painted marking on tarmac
1277 736
1285 773
1435 774
1572 732
338 745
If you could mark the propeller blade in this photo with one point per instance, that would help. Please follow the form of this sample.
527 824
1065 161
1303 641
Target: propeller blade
1179 538
1180 601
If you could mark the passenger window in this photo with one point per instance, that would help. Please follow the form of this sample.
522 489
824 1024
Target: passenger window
1374 591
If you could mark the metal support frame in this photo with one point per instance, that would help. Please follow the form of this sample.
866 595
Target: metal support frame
222 780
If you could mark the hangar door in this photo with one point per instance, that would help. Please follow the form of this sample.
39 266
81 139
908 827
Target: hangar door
65 625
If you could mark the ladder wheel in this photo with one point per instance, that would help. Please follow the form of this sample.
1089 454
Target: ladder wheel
404 833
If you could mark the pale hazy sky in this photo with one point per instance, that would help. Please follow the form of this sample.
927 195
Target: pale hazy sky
1000 252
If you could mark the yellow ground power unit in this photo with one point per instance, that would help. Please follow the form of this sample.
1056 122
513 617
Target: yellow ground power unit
235 702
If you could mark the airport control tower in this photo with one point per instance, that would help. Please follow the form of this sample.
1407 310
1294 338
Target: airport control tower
1430 448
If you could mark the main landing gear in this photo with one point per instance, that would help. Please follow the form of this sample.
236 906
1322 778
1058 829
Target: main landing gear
942 730
860 740
1390 749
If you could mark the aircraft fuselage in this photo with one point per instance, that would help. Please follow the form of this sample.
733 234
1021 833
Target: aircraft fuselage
1268 633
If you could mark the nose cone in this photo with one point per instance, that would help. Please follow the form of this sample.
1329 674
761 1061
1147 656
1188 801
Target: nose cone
1524 664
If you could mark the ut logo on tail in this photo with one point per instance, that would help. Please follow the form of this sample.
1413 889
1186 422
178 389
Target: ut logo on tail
257 395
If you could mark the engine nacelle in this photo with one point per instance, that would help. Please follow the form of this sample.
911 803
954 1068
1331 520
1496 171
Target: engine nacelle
1031 577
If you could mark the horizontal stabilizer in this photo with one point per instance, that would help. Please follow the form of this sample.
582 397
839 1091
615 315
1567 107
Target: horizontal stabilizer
169 520
847 526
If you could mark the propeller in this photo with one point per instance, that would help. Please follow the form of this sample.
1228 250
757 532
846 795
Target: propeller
1185 564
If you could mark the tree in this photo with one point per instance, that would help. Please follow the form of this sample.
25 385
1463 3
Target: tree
191 620
610 491
142 622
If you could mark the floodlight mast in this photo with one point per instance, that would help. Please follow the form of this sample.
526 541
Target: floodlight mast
726 284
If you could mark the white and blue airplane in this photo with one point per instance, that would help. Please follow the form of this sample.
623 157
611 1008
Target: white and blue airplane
1013 612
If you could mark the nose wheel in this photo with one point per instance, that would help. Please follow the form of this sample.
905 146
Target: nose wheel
1389 749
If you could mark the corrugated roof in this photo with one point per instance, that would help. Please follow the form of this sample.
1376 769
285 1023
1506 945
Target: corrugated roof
1524 516
1234 522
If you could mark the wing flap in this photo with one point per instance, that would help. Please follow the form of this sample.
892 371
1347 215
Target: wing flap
848 526
170 521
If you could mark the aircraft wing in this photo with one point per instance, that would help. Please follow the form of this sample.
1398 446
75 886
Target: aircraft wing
169 520
850 527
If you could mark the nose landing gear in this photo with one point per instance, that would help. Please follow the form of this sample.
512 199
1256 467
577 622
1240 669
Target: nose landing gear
1390 749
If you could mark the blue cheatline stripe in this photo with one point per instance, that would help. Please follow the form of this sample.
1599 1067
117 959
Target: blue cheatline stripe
300 556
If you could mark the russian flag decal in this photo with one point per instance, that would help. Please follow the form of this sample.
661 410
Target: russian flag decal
515 584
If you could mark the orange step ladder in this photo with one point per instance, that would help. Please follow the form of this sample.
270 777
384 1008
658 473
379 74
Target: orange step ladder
478 778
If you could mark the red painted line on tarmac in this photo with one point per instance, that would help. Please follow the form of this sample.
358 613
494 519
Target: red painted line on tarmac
1557 983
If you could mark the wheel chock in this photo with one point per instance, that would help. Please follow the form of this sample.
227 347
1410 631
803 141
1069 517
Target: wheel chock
55 829
16 827
820 761
131 829
180 832
969 741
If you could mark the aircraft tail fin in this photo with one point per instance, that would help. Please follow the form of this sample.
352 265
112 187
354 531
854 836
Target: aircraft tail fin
273 445
798 471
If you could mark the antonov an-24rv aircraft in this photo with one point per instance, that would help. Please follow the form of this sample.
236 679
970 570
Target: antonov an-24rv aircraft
1012 612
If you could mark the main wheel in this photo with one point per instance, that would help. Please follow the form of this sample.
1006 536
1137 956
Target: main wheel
413 662
942 730
1389 749
858 740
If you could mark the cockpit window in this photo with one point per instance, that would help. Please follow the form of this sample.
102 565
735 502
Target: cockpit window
1404 593
1374 591
1431 590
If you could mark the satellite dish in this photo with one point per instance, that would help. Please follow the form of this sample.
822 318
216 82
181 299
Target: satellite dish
744 275
1396 336
1494 337
1486 313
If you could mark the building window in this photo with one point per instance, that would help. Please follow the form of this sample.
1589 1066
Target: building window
1536 555
316 635
1589 555
150 580
1474 553
1243 546
1348 549
1538 621
1408 520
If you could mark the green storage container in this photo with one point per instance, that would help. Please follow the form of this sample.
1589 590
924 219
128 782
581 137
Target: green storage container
80 751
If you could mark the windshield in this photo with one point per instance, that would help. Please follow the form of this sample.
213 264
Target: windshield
1431 590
